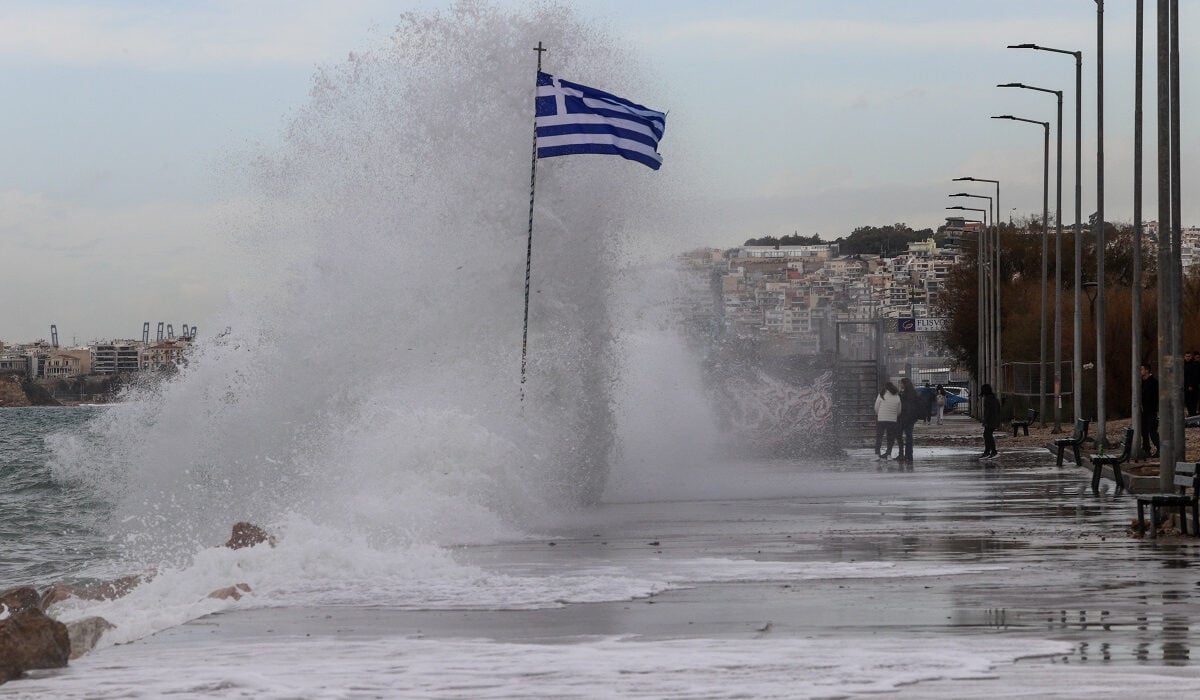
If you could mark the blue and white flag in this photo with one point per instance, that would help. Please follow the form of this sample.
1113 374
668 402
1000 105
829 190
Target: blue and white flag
573 118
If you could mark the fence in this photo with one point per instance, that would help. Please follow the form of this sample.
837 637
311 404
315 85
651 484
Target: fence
1023 386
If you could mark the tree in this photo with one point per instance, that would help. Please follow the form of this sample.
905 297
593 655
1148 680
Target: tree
793 239
881 240
1020 315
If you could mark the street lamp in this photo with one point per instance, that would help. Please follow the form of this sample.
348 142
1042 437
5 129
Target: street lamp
1101 374
994 291
991 285
984 352
1058 269
976 405
1078 356
1045 256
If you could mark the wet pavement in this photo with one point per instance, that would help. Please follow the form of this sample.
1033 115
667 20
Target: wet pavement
1056 560
1019 549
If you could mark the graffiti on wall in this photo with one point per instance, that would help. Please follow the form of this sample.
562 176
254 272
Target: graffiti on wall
776 415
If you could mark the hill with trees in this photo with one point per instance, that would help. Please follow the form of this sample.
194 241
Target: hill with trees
888 240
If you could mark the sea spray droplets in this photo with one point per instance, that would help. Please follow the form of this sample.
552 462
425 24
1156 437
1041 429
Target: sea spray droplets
369 379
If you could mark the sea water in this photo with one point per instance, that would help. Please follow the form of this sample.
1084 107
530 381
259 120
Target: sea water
364 405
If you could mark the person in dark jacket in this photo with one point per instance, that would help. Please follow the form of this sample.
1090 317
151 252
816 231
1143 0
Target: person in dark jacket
929 396
1149 411
991 420
1191 382
911 407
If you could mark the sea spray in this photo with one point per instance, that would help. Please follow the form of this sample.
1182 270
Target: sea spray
368 379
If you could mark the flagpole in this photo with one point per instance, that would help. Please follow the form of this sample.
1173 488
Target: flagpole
529 241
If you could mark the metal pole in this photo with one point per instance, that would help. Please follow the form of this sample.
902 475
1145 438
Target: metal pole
1045 258
981 345
1177 379
1101 363
1045 229
998 279
990 316
529 240
1166 399
1077 396
1135 341
1077 368
981 326
1058 264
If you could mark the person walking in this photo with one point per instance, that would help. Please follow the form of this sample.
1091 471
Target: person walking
1149 411
991 420
887 412
1191 382
939 400
911 407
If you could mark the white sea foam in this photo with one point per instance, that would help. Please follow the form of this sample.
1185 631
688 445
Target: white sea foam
769 667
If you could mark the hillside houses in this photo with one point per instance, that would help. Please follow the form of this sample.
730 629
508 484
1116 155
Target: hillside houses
792 296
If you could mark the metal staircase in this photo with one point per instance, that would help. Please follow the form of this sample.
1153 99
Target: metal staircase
855 386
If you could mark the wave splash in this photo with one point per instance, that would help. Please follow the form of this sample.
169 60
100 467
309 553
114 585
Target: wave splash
368 379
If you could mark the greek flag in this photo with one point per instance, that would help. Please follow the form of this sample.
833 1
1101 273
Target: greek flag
573 118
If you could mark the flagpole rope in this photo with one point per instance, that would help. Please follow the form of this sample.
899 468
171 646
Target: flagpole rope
529 240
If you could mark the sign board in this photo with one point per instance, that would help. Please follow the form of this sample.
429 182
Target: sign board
932 325
922 325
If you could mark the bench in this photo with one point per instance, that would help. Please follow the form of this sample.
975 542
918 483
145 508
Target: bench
1187 476
1076 439
1031 416
1115 461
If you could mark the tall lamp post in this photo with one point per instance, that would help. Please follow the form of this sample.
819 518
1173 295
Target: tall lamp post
1135 341
990 284
1058 272
1101 371
1078 354
1045 255
986 359
994 297
976 406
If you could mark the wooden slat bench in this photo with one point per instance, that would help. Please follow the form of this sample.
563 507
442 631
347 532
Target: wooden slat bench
1187 476
1114 461
1076 439
1031 416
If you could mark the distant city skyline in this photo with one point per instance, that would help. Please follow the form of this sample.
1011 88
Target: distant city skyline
132 122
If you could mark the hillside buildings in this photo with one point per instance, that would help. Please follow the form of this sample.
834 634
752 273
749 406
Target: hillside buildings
791 297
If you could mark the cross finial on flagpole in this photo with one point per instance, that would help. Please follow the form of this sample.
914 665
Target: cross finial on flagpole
540 51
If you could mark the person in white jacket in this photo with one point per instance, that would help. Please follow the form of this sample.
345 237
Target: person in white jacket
887 413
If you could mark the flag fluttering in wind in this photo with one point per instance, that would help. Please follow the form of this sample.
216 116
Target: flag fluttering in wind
573 118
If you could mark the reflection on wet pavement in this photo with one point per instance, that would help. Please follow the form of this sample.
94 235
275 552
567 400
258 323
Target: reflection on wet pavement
1074 573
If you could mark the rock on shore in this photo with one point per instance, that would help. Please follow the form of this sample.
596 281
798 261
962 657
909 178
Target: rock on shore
29 640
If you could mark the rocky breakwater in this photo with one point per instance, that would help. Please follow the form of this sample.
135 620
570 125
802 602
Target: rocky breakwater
31 640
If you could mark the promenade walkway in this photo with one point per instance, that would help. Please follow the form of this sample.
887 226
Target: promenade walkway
961 430
848 577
